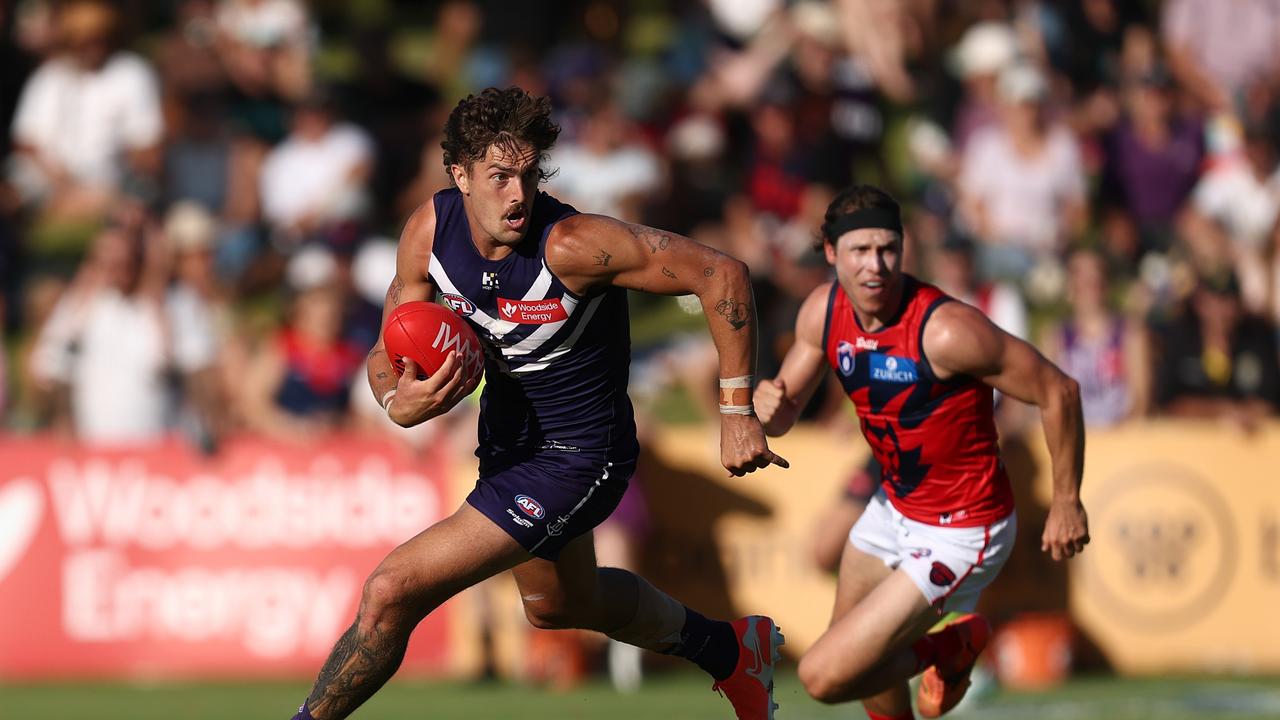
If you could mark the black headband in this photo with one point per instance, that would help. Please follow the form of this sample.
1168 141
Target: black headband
873 217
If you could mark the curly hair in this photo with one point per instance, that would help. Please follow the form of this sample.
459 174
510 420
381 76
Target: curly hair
850 200
498 117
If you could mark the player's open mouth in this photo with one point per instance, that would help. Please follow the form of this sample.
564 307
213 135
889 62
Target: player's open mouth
515 220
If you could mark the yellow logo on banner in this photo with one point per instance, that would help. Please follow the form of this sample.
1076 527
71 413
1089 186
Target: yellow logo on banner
1175 547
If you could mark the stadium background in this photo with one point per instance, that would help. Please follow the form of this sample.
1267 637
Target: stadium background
197 220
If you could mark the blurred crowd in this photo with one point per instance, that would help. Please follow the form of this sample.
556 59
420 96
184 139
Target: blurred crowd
199 198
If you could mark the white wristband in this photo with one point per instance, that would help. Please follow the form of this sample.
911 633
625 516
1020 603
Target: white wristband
742 381
387 397
737 409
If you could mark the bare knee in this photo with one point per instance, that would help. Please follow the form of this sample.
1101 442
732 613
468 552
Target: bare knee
387 600
821 684
548 613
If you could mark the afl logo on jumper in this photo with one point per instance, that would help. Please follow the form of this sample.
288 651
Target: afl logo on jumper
891 368
530 507
531 312
941 575
459 304
844 358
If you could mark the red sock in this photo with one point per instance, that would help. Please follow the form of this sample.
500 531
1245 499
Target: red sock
935 646
904 716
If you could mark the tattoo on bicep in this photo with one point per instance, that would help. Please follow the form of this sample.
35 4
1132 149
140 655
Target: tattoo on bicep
737 313
708 271
603 258
393 292
668 273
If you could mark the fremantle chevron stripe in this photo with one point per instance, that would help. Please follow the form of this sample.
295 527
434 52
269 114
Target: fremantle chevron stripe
530 353
569 342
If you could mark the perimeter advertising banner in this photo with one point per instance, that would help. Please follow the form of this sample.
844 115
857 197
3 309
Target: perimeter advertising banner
163 563
1184 569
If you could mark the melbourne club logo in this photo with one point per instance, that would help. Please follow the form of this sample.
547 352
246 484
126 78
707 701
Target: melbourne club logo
489 280
530 507
941 575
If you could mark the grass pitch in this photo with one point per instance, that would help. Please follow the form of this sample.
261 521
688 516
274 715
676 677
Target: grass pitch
670 696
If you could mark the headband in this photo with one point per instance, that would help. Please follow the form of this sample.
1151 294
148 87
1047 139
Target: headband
873 217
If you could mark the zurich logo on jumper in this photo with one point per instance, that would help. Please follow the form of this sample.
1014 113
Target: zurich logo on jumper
891 368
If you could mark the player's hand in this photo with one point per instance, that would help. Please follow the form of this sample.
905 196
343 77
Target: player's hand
743 447
1066 532
417 400
775 409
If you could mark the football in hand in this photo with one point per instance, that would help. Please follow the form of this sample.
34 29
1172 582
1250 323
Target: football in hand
426 333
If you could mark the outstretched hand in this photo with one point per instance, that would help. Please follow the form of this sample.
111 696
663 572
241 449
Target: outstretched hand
743 447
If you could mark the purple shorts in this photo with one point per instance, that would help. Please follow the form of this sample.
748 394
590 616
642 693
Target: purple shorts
551 498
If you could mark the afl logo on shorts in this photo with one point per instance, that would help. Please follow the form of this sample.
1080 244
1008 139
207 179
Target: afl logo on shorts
530 507
459 304
844 357
941 575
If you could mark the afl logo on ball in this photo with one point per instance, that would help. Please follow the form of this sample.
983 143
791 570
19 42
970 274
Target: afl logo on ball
459 304
530 507
941 575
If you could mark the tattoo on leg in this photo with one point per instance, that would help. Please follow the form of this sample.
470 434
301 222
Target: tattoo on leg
668 273
603 258
708 271
358 666
737 313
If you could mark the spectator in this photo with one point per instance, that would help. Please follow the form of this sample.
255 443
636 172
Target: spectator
1233 214
1021 183
299 382
1217 361
110 343
1106 353
609 171
87 121
985 50
1153 160
266 46
1222 52
952 269
316 180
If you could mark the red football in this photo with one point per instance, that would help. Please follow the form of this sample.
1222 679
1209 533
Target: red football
426 333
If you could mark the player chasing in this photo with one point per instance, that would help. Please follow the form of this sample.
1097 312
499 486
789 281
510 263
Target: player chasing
545 289
920 368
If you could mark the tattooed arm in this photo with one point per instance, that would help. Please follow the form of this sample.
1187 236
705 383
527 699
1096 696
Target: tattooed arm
591 252
415 400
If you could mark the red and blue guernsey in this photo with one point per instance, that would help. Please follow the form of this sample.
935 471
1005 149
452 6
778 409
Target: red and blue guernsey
556 363
935 439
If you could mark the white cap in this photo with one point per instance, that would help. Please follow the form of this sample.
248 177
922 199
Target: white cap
373 267
190 226
311 267
696 137
1022 83
985 49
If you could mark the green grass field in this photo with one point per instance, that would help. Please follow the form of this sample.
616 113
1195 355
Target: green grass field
676 696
